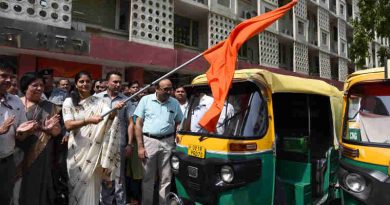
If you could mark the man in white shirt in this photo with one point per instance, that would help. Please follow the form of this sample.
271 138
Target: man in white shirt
204 105
181 96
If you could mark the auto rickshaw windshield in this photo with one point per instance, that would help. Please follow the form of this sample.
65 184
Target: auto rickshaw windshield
243 115
368 115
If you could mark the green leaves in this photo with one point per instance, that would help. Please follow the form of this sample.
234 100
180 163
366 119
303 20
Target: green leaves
374 18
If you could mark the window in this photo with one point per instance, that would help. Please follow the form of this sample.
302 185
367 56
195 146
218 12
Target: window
186 31
324 38
244 113
342 47
368 114
243 51
282 54
301 28
124 15
335 33
225 3
341 9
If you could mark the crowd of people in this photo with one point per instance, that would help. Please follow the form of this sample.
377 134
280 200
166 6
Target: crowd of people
57 148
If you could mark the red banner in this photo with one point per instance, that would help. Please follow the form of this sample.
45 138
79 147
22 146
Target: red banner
69 69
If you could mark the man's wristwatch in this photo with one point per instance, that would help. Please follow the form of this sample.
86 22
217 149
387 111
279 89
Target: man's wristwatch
130 145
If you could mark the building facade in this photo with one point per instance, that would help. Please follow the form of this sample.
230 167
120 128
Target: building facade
145 38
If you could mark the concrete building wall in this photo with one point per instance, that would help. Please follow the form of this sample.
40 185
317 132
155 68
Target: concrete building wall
316 33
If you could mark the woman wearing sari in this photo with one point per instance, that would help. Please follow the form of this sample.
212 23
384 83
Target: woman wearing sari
36 167
93 146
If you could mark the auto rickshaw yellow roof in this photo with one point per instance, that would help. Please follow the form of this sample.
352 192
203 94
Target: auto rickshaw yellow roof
371 74
279 83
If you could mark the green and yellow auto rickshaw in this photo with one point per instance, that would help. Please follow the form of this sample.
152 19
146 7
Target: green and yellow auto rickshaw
365 139
275 143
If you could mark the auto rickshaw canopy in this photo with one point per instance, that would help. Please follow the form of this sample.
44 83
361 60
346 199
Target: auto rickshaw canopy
372 74
279 83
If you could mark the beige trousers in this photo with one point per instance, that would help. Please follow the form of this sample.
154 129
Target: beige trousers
157 161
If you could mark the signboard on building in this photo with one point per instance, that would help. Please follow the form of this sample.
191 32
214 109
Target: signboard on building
20 34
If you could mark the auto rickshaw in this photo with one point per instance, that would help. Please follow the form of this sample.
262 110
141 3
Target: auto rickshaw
365 139
275 143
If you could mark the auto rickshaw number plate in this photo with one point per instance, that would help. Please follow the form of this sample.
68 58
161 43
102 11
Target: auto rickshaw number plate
196 151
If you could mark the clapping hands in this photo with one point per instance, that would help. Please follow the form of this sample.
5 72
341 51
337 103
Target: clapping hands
52 125
7 124
28 126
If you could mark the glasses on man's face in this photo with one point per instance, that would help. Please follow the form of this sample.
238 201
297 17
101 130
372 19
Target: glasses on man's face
168 89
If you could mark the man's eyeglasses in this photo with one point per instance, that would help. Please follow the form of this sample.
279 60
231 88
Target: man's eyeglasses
169 89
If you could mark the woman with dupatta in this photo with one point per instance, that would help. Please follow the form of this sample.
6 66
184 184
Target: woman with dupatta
93 146
36 168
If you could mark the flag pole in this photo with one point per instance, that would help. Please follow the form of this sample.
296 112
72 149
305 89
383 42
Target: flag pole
156 81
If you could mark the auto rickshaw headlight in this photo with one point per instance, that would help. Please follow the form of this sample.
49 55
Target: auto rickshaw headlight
173 199
355 182
175 163
227 173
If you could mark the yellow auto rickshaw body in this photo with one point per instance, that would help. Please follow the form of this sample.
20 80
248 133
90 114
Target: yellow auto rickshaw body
365 149
205 158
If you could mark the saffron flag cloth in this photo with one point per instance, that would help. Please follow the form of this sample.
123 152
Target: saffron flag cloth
223 56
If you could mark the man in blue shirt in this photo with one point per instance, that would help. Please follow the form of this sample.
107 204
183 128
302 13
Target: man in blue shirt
113 96
158 117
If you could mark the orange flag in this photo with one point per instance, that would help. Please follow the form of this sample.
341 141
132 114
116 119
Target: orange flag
223 57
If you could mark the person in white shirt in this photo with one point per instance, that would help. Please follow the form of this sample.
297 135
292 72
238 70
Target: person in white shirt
181 96
204 105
